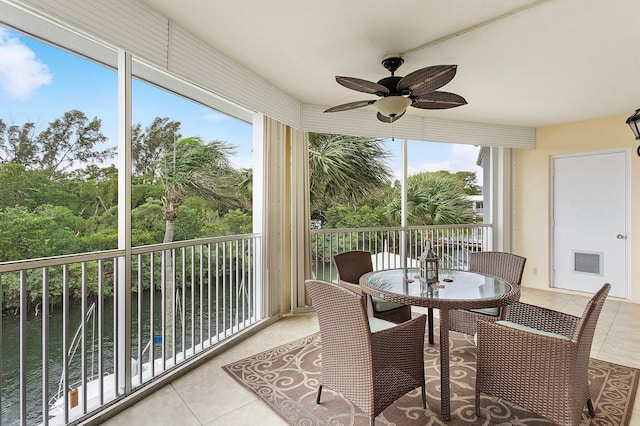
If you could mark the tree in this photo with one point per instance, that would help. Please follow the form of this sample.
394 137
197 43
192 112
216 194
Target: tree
344 169
148 146
193 168
70 141
190 168
17 144
470 180
434 198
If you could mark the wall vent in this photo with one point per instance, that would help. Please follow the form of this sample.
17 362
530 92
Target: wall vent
588 262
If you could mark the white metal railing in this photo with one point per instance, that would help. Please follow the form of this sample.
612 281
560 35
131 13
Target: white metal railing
195 294
396 247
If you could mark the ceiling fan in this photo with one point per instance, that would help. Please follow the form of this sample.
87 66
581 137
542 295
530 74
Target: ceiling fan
418 89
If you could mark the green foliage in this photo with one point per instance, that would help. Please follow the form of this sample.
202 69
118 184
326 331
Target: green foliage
342 216
22 187
47 231
344 169
470 180
147 223
433 198
150 144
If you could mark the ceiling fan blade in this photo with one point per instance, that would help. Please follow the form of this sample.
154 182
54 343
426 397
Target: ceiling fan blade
386 119
363 86
350 105
439 100
426 80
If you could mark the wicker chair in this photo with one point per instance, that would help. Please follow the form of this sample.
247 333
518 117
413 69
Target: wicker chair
351 265
505 266
371 362
538 358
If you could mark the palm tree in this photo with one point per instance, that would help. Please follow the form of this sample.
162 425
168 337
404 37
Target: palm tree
193 168
434 198
344 169
190 168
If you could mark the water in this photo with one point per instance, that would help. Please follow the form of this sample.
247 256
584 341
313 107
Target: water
34 377
229 316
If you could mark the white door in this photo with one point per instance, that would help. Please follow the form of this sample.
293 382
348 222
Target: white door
590 196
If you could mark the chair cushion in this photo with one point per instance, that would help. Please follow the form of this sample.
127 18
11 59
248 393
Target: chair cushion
381 305
377 324
531 330
487 311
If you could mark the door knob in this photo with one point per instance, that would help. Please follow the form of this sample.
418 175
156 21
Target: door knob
620 236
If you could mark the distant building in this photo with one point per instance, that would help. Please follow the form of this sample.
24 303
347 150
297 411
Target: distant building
478 206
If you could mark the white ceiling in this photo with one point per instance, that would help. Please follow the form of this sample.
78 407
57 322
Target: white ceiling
520 62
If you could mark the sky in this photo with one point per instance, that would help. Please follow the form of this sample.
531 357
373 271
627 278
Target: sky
39 83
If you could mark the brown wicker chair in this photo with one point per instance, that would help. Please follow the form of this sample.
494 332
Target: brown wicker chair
505 266
351 265
542 368
370 368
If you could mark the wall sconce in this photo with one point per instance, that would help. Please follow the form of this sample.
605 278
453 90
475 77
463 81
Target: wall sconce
634 123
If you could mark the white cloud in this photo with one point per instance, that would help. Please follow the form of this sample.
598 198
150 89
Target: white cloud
214 116
21 73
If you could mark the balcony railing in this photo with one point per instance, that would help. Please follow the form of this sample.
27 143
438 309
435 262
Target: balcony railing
395 247
64 363
144 313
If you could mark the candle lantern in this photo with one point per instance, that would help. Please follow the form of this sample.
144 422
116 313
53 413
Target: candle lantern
429 264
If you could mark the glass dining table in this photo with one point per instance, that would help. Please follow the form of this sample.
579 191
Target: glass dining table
455 290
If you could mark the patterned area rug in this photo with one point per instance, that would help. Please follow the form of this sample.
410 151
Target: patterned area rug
286 378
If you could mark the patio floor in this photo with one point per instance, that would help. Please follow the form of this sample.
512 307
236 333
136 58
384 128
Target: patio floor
209 396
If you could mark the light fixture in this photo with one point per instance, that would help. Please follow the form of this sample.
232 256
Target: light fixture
634 123
392 106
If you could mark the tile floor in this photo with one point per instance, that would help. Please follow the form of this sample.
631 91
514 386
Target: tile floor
208 396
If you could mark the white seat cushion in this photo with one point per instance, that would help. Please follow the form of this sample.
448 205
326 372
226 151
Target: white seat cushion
532 330
377 324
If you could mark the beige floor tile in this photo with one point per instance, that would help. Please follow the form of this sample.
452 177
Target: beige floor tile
255 413
215 396
167 408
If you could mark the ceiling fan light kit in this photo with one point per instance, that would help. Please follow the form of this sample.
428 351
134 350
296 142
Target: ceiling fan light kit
392 106
418 89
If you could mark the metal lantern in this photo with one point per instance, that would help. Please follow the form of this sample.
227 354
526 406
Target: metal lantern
429 264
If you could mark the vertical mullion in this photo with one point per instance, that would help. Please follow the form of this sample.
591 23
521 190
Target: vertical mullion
235 282
193 301
45 345
65 341
201 304
217 292
23 347
163 287
152 325
83 336
174 303
224 288
242 279
140 293
116 320
183 299
209 291
100 316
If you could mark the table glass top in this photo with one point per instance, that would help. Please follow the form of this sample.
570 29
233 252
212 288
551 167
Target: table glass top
464 285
